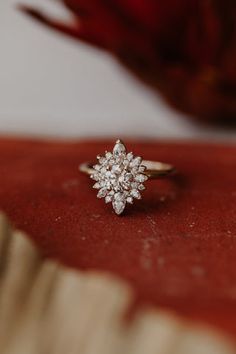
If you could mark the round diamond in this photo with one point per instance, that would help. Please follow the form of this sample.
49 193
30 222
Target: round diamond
140 178
97 185
130 156
116 169
119 196
130 200
141 168
102 193
136 161
135 193
108 155
108 198
101 160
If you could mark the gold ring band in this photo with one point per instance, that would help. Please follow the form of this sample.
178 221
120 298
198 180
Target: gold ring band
154 169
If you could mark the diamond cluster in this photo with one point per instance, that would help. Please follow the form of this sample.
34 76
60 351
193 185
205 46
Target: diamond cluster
119 177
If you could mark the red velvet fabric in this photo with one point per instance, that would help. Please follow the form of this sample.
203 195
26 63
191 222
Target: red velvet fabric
176 247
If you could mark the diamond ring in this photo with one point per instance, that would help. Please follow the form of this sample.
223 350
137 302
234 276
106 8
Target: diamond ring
120 176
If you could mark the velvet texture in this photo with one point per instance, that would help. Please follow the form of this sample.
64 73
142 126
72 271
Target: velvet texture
176 246
185 49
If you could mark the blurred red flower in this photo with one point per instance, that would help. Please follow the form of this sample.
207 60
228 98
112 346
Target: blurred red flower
186 49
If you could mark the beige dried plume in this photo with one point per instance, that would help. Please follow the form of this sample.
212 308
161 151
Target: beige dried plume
46 308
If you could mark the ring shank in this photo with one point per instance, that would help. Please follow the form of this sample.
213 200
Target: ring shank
154 169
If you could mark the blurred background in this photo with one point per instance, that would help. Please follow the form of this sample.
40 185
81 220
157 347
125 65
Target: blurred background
54 86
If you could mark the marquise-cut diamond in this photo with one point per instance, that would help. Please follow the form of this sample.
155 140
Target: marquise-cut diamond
119 177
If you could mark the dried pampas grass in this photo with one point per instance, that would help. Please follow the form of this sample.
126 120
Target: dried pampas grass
48 309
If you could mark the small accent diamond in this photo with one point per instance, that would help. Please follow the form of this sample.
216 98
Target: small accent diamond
108 199
130 200
135 193
140 178
119 177
102 193
97 185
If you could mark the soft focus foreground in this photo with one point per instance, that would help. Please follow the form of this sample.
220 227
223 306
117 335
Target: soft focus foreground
46 308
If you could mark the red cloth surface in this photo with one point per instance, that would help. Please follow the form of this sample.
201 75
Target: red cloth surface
176 247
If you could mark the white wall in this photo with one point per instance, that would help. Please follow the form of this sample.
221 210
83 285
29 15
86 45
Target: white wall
50 85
